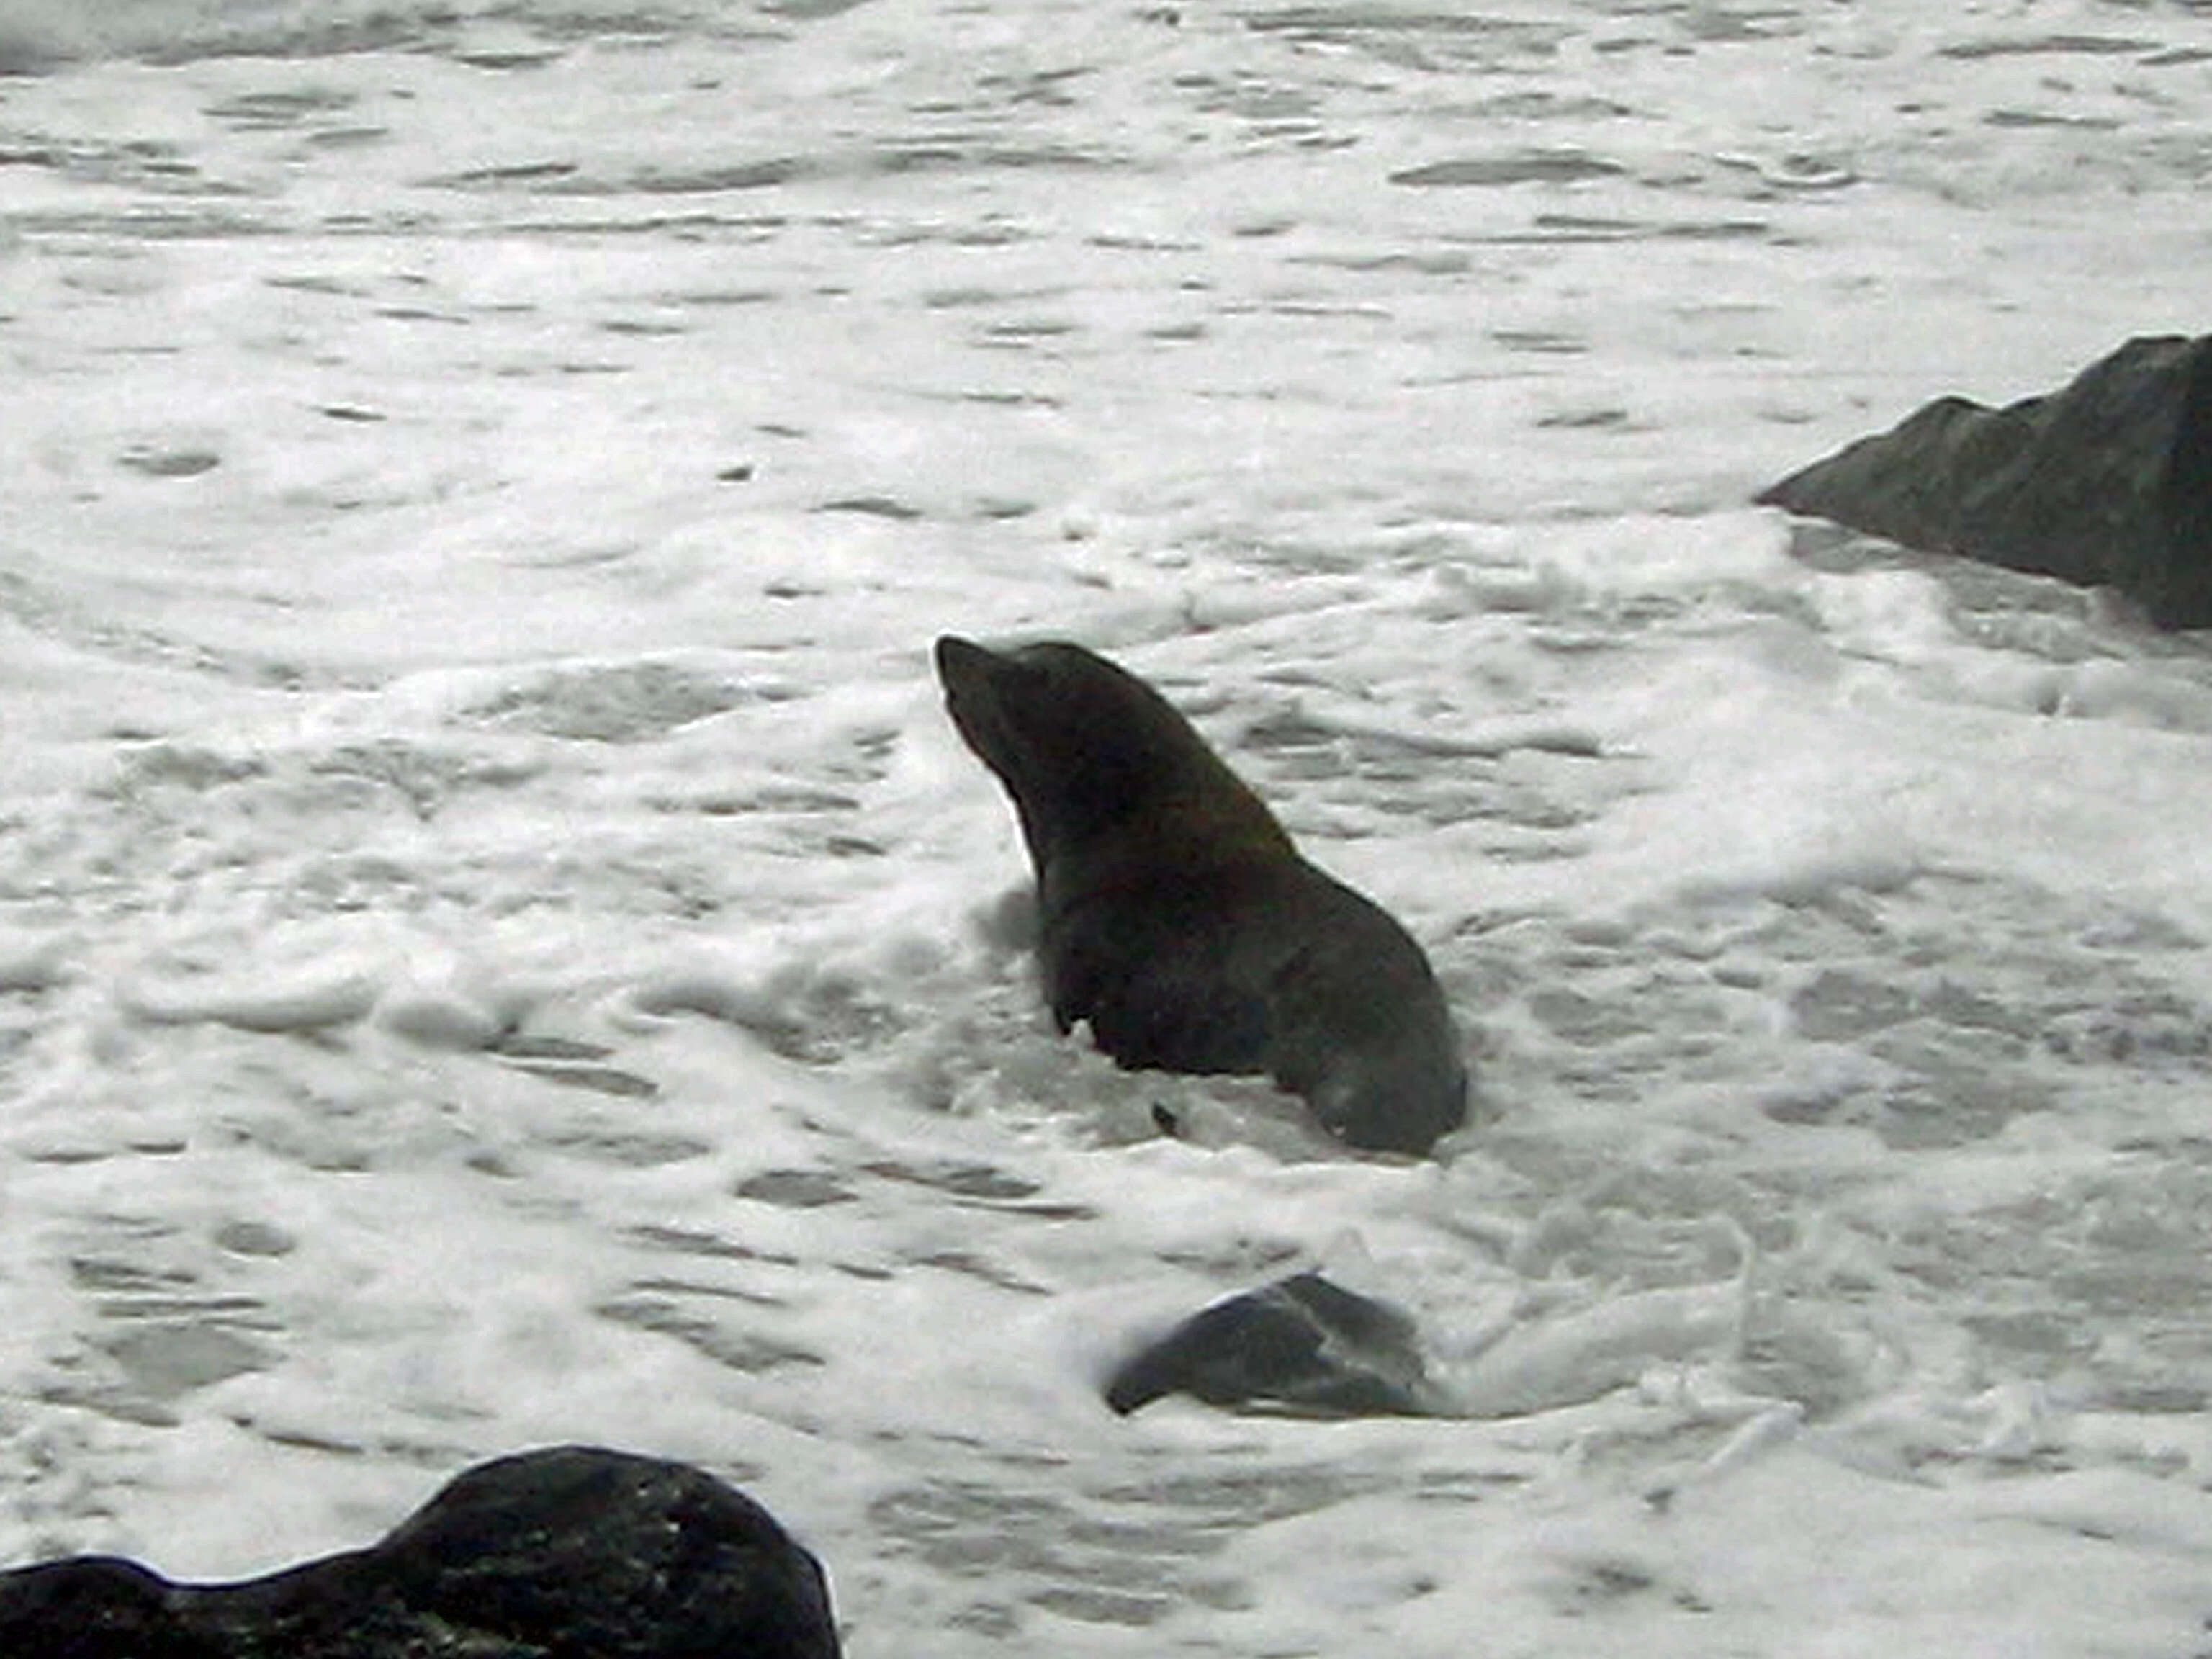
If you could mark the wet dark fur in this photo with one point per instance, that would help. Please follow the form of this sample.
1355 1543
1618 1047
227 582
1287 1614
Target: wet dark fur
1176 917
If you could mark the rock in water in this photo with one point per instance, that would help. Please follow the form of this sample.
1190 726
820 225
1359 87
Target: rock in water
571 1552
2107 481
1300 1342
1175 917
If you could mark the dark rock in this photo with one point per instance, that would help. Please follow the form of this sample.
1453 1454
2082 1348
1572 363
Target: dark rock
2107 481
572 1553
1300 1342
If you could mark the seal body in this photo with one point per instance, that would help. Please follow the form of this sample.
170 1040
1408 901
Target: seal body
1176 916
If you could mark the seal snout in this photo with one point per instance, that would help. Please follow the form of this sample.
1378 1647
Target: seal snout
962 662
970 675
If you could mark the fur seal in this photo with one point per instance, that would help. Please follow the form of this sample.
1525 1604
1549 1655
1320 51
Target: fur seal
1176 917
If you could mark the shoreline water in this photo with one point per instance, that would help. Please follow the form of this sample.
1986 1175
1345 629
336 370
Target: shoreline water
499 944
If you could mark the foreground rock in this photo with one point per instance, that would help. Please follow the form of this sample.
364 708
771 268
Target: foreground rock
2107 481
1300 1343
569 1554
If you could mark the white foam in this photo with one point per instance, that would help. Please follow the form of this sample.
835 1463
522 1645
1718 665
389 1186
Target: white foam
499 944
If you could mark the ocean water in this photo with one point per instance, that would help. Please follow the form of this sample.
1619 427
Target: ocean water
499 943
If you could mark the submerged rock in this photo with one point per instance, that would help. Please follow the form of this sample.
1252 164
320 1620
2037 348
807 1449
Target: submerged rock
2106 482
1300 1342
572 1553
